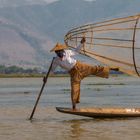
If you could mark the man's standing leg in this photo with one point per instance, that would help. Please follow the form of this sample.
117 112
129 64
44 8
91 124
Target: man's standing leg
75 93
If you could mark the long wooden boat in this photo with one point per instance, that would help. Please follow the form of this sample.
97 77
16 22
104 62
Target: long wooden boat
102 112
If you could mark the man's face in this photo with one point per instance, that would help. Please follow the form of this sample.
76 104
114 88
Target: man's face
60 53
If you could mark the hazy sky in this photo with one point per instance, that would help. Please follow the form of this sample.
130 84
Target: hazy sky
5 3
57 0
50 0
31 1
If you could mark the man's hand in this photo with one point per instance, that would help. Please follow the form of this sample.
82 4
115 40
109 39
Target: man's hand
83 40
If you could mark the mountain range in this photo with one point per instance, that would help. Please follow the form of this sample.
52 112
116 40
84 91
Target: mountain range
30 28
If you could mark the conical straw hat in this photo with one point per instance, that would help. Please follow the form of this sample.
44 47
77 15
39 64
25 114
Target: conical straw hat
58 47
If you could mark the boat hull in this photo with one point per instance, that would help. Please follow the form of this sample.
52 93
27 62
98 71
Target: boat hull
102 112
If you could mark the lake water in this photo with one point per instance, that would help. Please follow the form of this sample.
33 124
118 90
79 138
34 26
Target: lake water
18 96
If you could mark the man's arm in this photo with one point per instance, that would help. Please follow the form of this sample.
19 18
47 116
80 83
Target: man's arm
83 40
54 65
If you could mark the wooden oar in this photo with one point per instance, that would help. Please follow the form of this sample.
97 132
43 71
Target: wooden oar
44 82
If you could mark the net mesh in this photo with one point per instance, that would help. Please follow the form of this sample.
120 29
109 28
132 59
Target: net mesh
114 42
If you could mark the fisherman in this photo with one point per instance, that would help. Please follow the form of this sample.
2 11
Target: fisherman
77 70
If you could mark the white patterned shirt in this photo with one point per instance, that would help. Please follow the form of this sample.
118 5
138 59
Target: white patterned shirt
67 62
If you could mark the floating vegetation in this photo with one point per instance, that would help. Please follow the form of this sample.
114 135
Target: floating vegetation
97 89
106 84
66 90
26 92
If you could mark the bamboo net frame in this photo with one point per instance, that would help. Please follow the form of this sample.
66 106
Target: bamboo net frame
113 42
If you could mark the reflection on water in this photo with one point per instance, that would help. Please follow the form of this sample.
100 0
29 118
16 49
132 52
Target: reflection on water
76 130
17 98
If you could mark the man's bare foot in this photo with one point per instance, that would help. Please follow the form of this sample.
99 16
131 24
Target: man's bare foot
74 107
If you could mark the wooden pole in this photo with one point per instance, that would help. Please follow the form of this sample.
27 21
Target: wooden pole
44 82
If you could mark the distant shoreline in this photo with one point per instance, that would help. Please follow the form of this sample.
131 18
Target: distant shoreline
40 75
30 75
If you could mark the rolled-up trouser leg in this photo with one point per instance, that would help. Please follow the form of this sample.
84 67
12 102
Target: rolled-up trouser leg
75 92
